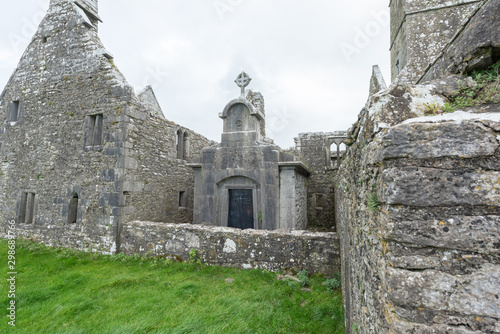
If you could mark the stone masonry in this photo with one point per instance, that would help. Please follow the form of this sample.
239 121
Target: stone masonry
83 155
418 214
476 45
80 151
229 247
418 197
420 30
319 153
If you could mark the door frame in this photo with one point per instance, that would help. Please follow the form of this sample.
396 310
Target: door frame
223 199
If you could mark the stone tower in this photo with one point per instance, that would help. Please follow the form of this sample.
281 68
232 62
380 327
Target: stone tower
419 32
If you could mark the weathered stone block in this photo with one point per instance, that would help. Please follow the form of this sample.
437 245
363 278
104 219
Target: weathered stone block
246 249
474 294
434 187
431 140
476 234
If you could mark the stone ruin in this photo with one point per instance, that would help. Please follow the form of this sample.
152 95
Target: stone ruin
84 156
410 210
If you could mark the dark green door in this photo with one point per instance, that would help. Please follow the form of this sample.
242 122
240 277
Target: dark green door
240 208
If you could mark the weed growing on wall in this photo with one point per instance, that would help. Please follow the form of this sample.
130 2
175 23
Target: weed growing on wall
372 200
484 90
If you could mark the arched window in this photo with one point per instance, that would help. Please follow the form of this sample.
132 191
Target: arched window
73 209
337 154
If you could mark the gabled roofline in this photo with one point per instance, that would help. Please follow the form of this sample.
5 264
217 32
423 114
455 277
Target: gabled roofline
8 84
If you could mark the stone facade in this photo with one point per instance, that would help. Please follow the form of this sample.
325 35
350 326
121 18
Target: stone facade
417 197
246 249
81 153
247 162
87 163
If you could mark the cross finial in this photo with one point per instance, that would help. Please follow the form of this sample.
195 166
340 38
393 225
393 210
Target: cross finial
242 81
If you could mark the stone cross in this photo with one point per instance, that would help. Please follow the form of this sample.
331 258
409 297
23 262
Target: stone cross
242 81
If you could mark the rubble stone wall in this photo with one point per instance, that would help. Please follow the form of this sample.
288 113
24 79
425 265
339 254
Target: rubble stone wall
420 30
418 214
157 178
51 147
246 249
476 46
45 151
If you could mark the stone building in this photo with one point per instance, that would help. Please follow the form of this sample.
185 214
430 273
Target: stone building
81 152
247 181
420 30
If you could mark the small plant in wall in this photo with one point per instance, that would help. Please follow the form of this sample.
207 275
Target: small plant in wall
372 200
194 256
484 88
260 216
431 109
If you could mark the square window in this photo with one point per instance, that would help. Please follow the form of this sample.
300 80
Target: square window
319 201
13 111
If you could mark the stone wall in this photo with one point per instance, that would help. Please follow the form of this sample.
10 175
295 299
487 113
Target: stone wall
314 151
249 170
420 30
246 249
75 137
45 150
477 45
156 178
293 196
418 203
301 200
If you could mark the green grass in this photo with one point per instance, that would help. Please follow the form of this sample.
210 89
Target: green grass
62 291
485 91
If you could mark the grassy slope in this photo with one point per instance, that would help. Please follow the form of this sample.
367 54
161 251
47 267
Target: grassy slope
61 291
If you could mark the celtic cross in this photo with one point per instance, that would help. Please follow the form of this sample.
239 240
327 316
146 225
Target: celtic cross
242 81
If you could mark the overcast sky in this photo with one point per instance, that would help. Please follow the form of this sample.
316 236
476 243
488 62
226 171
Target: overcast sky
311 59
